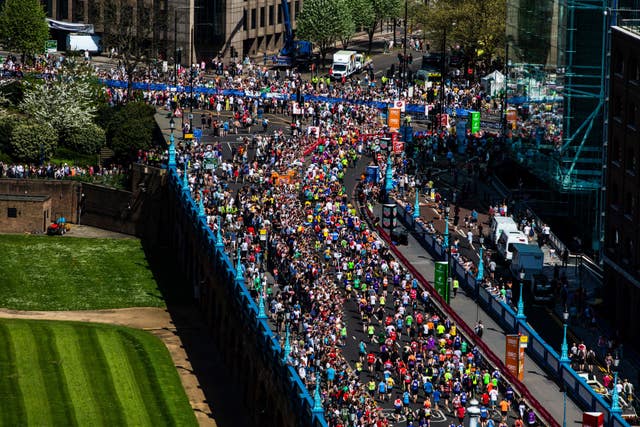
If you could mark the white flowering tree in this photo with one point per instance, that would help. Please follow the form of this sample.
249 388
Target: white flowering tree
62 104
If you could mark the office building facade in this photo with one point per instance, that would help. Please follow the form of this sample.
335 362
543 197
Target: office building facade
200 29
621 253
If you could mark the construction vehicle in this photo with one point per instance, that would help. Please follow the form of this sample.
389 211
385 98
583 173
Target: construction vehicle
293 52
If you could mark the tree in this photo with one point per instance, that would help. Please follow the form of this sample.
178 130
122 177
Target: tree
382 9
130 30
131 128
23 27
361 13
323 22
478 26
62 103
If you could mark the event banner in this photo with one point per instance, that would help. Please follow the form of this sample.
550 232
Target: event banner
441 282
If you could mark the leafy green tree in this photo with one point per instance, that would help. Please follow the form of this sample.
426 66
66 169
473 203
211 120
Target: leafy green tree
131 128
478 26
362 13
323 22
130 30
32 141
23 27
382 9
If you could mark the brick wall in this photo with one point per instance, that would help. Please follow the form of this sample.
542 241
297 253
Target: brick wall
64 194
31 216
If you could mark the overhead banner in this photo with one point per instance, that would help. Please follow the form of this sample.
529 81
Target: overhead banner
440 281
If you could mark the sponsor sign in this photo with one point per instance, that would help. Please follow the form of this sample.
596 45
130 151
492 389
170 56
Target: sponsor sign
441 282
393 118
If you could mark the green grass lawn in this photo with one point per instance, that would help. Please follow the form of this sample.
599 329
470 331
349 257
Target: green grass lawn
72 373
65 273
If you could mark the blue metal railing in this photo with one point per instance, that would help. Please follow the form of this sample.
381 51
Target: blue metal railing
267 340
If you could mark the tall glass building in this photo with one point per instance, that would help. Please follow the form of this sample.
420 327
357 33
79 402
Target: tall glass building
558 82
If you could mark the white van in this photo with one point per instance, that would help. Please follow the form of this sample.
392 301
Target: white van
506 241
499 224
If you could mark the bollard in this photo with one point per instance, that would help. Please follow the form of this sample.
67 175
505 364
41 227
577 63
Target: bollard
474 413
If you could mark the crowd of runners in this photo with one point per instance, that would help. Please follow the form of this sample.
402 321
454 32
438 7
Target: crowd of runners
281 201
285 209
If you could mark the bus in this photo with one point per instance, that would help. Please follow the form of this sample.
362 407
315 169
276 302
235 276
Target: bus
432 61
429 75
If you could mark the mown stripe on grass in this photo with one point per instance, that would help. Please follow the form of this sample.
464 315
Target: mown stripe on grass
145 373
32 382
95 364
12 410
124 376
60 403
88 403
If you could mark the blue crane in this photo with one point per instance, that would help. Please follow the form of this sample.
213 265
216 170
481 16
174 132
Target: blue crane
293 52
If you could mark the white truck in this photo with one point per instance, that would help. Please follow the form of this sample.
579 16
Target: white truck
344 64
88 42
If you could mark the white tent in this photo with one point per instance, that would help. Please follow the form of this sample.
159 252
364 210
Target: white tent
493 83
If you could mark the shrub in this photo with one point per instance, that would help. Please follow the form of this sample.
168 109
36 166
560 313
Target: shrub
32 142
87 139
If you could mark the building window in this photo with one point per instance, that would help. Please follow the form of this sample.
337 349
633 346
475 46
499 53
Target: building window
632 115
629 202
616 151
613 195
631 162
244 20
618 66
271 15
632 69
618 107
279 14
12 212
262 17
253 19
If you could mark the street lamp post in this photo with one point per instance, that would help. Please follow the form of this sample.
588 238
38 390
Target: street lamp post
172 146
520 314
445 239
564 360
191 82
443 71
481 260
615 398
388 178
317 397
404 57
416 206
479 277
564 349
